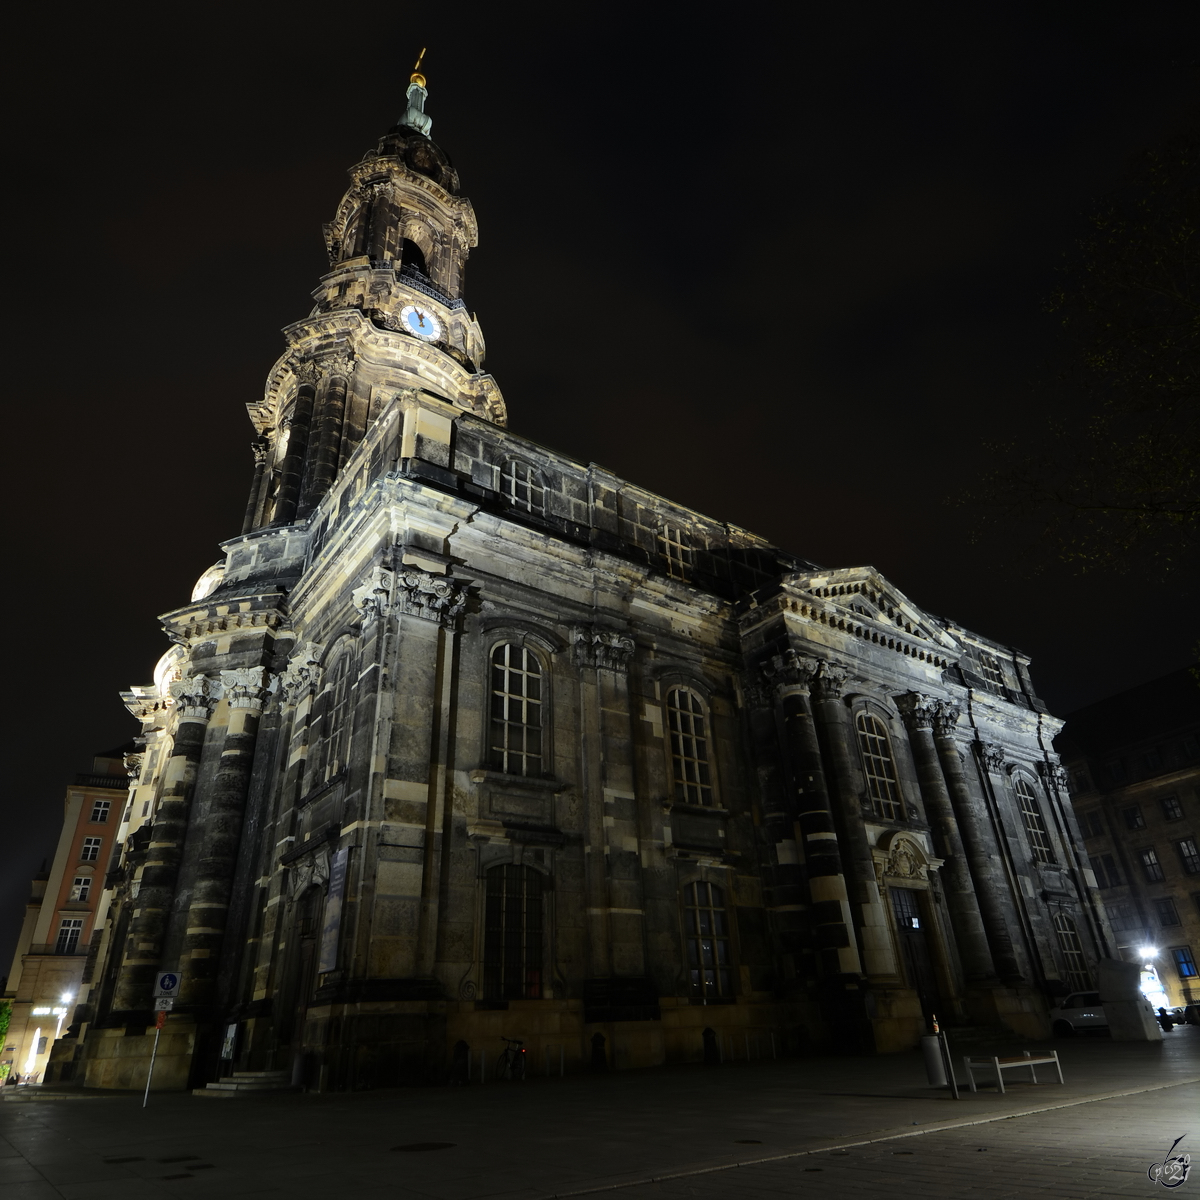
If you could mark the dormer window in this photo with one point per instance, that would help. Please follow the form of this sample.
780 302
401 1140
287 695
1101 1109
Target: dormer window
676 549
523 488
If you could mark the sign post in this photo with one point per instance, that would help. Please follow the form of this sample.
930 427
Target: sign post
166 988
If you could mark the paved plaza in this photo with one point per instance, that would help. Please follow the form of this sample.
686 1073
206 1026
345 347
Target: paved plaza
796 1127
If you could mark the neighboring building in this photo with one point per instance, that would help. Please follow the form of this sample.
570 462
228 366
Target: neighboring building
1134 764
48 966
462 738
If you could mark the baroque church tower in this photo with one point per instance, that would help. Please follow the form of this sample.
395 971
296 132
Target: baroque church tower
464 739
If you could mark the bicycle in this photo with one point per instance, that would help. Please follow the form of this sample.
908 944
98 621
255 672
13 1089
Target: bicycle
511 1063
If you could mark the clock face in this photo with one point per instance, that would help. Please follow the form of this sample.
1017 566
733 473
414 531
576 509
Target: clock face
421 322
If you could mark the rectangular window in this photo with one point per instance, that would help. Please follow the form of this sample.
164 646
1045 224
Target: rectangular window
1133 817
1172 809
1092 823
68 935
1116 771
992 673
516 724
1189 855
91 849
81 887
1150 865
1151 762
677 551
1185 964
1167 915
1120 917
100 811
1106 871
1035 826
1080 781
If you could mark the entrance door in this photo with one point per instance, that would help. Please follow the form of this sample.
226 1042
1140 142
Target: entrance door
914 948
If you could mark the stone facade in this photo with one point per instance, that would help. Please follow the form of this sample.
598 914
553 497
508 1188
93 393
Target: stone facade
1134 765
463 738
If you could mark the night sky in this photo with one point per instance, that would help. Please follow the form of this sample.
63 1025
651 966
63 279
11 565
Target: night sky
786 268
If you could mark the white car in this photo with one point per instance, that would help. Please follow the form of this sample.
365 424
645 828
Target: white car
1079 1011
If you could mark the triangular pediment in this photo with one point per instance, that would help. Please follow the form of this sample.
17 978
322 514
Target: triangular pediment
861 596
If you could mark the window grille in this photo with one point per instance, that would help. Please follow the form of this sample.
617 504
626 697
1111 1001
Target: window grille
1151 866
1133 817
91 849
1189 855
81 887
707 936
1167 913
1035 826
100 811
1078 977
337 719
1106 871
689 747
516 722
992 674
1185 964
522 487
676 551
879 768
69 933
512 946
1172 809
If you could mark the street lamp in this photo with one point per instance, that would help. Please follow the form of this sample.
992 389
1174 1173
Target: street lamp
1145 952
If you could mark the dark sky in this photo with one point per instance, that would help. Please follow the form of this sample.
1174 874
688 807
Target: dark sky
785 267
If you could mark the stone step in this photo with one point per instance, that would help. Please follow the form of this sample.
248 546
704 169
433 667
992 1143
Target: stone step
260 1076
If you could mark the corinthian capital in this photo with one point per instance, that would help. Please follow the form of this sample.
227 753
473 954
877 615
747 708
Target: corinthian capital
301 672
830 681
993 757
602 649
433 597
945 717
245 687
196 697
917 711
790 670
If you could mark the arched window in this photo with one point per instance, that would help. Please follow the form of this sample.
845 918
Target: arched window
515 746
676 549
336 719
879 768
1078 977
1035 826
522 487
689 747
710 971
411 256
512 940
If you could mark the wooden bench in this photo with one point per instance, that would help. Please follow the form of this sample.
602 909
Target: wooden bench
1000 1065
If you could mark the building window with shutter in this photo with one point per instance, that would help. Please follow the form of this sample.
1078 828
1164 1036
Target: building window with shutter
706 932
879 768
1078 977
1035 825
512 945
688 727
515 744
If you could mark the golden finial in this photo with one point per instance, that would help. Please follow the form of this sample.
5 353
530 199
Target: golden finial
417 77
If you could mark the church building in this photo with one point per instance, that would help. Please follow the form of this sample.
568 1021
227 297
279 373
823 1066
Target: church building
463 739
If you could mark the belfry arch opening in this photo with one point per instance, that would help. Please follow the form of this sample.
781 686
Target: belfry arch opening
412 256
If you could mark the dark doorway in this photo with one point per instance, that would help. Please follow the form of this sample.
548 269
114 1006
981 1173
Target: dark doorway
914 948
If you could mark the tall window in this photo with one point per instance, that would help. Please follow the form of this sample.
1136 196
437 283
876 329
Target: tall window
879 767
1151 867
992 673
1078 978
100 811
91 849
522 485
68 935
1167 913
1185 964
1133 817
707 934
1091 823
516 725
81 887
512 946
676 551
338 718
689 747
1189 855
1107 875
1035 826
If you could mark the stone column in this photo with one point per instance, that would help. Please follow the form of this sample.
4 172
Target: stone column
965 918
325 457
209 908
195 700
982 853
292 472
832 925
614 871
260 449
